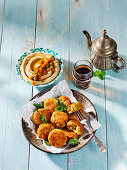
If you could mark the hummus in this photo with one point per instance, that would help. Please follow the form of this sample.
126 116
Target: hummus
39 68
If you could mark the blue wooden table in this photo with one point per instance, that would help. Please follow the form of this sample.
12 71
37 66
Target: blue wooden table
58 25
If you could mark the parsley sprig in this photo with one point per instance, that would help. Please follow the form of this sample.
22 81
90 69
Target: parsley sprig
43 119
38 106
60 105
73 141
47 143
99 74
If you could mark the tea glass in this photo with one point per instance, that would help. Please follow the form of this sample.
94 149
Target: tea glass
82 80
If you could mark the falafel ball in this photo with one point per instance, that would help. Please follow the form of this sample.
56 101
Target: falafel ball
36 118
59 119
57 138
66 100
46 113
50 103
70 134
74 107
72 116
75 126
44 130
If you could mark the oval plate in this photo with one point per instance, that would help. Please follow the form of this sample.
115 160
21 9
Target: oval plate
31 137
46 51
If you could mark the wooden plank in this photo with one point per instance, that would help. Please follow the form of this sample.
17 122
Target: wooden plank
87 15
18 22
52 32
114 21
2 12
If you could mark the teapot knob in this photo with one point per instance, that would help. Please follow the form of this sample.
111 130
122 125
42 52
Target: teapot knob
104 33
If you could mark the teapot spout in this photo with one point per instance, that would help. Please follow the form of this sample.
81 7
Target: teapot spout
89 42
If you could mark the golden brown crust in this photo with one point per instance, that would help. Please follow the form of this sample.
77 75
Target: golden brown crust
36 118
75 126
72 117
44 130
50 103
46 113
59 119
74 107
57 138
70 134
66 100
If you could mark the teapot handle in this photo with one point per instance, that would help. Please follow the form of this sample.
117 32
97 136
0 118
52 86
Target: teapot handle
117 68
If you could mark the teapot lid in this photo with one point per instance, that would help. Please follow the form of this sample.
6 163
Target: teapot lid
104 46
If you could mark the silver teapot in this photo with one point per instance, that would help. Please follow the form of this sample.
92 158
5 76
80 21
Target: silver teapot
103 52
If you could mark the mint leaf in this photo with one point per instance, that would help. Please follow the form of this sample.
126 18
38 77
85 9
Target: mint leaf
65 108
56 109
100 77
43 119
73 141
60 105
38 106
97 72
94 74
58 101
103 73
47 143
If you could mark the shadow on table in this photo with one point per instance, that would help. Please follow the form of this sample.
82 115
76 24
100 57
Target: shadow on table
98 88
117 146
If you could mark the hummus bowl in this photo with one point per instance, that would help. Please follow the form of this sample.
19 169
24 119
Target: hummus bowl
39 67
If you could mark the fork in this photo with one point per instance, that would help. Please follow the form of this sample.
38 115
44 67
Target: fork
81 117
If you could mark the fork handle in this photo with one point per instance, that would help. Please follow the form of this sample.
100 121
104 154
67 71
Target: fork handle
100 144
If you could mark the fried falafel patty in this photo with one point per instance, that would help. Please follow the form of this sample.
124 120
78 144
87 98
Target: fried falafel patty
73 117
75 126
70 134
46 113
50 103
66 100
57 138
59 119
74 107
44 130
36 118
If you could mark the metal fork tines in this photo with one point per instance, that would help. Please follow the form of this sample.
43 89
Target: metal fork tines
81 117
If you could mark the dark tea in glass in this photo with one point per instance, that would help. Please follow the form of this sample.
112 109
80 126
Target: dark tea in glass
82 73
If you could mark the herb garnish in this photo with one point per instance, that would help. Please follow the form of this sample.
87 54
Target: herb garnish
60 62
73 141
43 119
47 143
47 66
60 105
38 106
52 57
99 74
